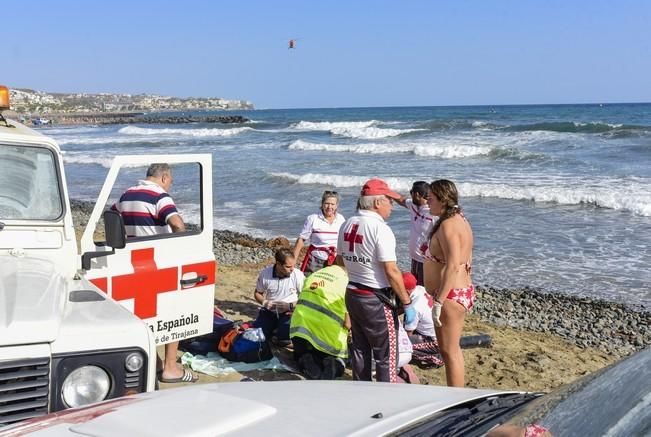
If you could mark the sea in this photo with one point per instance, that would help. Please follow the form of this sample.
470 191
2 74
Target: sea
559 196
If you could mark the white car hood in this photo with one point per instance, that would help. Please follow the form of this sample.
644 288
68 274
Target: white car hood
288 408
32 300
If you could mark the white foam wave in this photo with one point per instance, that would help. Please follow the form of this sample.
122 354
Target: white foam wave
143 131
420 149
330 125
367 130
343 181
370 148
633 196
94 160
107 140
613 194
452 151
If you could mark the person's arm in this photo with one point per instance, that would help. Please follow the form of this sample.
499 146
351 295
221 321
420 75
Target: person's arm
402 201
258 296
347 323
176 223
297 247
394 276
340 262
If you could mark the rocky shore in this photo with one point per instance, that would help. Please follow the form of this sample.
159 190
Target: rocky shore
610 327
140 118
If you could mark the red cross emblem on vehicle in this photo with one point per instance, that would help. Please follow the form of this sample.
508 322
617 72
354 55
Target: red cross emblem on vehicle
144 284
352 237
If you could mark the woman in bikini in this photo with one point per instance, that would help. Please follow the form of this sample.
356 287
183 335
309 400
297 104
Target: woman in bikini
447 275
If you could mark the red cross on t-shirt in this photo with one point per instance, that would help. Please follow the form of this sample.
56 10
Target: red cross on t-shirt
352 237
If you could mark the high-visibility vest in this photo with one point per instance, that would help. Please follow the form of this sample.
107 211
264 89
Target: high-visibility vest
321 310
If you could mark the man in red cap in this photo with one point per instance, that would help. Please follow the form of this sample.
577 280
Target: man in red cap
367 248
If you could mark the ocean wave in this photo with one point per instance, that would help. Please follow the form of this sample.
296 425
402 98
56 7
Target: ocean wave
109 140
446 125
633 196
364 148
91 160
574 127
452 151
616 195
419 149
144 131
366 130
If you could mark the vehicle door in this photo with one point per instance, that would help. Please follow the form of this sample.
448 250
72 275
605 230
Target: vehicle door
167 280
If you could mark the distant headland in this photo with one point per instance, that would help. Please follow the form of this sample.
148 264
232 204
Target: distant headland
108 108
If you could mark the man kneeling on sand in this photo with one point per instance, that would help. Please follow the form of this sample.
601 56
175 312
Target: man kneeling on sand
320 324
277 292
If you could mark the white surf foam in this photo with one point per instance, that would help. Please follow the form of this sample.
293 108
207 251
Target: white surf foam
370 148
617 194
342 181
633 196
367 130
430 149
144 131
94 160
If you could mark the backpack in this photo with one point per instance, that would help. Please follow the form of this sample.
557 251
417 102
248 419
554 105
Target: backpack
235 347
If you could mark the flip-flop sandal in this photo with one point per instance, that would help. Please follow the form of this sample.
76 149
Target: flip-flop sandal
187 377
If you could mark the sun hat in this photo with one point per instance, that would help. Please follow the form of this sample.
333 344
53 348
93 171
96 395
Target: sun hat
377 187
409 280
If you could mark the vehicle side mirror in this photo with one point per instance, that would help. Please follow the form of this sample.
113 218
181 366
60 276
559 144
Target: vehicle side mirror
116 237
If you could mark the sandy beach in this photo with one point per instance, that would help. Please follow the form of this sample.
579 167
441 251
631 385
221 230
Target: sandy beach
517 359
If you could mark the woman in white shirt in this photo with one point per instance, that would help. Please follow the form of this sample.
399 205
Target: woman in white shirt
321 231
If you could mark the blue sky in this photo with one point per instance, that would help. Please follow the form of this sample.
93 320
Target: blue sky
382 53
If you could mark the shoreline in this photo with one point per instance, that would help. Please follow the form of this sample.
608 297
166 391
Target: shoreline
612 328
110 118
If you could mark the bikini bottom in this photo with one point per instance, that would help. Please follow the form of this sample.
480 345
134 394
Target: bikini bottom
463 296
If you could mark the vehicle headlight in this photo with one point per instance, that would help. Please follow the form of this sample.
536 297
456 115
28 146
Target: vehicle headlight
134 362
85 385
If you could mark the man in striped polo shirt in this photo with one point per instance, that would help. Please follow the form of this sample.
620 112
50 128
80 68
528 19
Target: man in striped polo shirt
147 209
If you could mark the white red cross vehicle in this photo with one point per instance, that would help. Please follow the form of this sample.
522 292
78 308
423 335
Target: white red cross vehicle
70 336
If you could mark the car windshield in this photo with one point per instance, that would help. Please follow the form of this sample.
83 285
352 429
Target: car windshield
473 418
615 401
29 185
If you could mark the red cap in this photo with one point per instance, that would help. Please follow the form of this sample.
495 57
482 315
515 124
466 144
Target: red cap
409 280
377 187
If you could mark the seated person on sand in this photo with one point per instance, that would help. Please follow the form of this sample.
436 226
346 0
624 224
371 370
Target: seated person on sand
320 324
277 291
405 350
421 329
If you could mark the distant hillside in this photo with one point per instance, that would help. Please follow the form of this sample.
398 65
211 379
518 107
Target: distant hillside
26 101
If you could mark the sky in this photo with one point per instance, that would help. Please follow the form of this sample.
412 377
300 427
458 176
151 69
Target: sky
348 53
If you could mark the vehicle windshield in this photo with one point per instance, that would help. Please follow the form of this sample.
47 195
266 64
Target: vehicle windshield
29 185
615 401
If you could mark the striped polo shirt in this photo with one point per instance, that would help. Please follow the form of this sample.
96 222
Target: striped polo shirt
146 208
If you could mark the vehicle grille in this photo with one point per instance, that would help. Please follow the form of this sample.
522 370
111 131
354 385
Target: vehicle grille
24 388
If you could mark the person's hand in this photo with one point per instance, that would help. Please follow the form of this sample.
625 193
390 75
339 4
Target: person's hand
436 313
268 304
282 307
410 313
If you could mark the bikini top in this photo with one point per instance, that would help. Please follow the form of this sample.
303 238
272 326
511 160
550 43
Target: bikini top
428 255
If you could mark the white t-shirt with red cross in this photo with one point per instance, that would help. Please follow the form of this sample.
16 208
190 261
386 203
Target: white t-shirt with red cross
365 242
421 222
423 303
